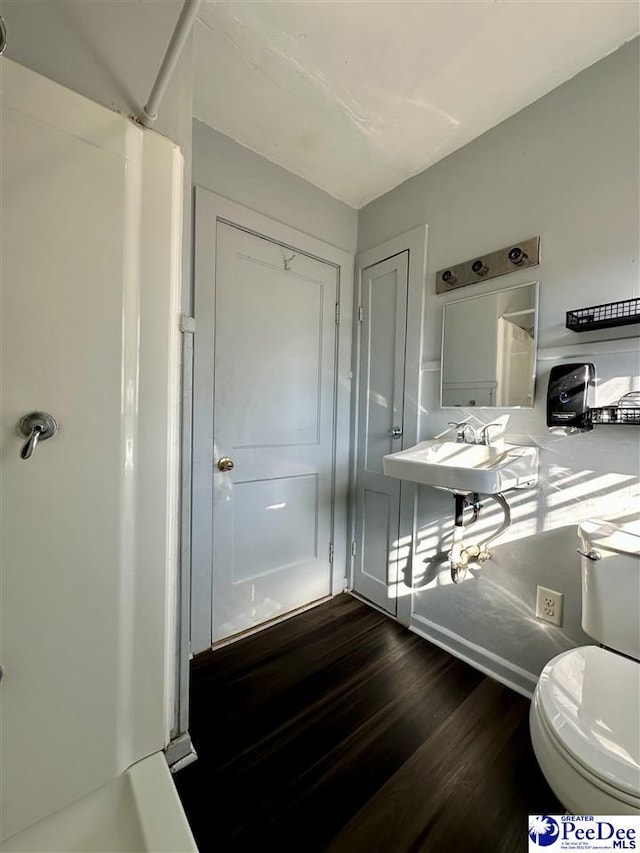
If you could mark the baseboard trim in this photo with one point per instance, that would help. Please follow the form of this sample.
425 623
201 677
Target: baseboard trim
256 629
371 604
490 664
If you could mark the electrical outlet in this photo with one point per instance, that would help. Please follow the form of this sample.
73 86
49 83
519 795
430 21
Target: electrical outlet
549 605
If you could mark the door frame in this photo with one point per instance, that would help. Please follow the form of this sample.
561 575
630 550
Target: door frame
211 208
415 242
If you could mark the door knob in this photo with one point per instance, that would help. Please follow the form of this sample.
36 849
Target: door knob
36 427
395 432
225 464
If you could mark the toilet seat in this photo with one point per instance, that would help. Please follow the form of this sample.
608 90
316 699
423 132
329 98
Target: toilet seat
588 701
552 757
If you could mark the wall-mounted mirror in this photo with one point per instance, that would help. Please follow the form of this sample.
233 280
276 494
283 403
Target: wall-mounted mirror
489 349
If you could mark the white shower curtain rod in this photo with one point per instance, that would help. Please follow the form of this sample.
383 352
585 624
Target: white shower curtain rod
171 57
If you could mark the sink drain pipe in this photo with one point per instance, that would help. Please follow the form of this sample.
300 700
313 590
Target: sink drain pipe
460 553
458 559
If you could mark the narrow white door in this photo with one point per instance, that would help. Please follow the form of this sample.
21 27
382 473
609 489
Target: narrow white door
274 392
383 313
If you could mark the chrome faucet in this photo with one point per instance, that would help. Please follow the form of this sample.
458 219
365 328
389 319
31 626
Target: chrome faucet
461 432
483 435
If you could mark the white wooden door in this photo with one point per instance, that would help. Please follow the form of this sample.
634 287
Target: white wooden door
383 312
274 392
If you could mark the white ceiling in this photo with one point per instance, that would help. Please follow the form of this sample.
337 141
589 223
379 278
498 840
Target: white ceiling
356 97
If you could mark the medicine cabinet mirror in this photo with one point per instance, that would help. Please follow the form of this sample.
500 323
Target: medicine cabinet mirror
489 349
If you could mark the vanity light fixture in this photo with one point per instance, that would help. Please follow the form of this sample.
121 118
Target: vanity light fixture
514 257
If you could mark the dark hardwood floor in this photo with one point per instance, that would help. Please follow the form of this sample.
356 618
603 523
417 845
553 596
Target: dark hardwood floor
339 730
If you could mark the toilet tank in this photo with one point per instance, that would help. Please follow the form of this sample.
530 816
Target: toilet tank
611 584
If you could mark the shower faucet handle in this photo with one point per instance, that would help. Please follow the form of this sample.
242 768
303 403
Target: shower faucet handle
36 427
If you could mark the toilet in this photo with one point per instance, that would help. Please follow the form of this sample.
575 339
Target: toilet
585 713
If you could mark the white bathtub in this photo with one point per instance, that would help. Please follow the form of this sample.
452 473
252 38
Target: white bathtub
139 811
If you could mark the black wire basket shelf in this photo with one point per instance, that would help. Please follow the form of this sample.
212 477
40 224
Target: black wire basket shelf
604 316
626 411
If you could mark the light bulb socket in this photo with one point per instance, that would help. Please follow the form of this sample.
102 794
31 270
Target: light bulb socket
517 256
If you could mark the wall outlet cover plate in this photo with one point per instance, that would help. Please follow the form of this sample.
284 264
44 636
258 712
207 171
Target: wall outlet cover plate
549 605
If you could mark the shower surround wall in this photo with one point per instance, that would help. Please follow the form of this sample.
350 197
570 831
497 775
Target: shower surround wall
565 168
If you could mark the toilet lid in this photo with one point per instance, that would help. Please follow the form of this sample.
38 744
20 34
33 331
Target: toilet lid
590 698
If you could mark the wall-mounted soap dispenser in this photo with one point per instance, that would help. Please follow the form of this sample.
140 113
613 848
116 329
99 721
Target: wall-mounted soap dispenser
569 395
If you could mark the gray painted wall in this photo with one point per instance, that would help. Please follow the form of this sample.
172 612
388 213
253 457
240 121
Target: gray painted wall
566 168
227 168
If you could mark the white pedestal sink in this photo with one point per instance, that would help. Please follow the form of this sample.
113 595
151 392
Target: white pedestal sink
465 468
